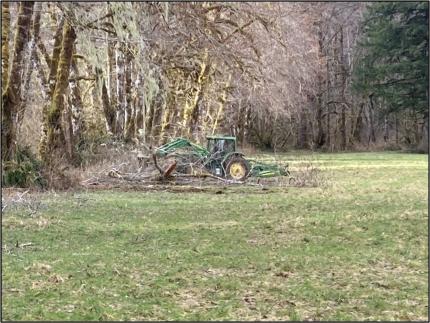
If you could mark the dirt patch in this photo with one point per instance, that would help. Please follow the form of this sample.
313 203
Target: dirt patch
189 300
180 186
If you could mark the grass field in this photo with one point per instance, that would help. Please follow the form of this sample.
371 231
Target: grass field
355 248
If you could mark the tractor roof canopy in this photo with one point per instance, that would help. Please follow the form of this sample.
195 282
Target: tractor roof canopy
218 137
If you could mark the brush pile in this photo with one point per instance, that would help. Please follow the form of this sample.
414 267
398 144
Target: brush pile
182 170
179 169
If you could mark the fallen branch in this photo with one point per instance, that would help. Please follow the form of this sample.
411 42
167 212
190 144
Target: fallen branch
20 196
224 180
89 179
154 158
23 245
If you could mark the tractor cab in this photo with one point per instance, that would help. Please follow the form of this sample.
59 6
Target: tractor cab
224 160
220 146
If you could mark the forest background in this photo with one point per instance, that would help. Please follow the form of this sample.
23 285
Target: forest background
79 79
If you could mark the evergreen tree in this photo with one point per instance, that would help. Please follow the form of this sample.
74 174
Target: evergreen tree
394 61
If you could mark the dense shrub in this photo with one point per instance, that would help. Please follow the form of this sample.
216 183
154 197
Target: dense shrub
23 171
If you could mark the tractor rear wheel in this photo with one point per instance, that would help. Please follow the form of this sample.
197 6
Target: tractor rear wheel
237 168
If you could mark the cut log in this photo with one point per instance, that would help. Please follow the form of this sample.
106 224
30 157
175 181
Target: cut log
169 170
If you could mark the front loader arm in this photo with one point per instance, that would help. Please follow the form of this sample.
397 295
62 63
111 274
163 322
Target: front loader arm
180 143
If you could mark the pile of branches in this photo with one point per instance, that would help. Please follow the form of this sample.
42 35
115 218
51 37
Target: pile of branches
185 171
178 169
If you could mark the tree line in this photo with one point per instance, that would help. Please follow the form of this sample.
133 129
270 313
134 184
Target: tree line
331 76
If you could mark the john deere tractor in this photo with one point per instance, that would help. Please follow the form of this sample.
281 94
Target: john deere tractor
220 158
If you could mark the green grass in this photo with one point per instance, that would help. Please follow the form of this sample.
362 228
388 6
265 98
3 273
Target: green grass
352 249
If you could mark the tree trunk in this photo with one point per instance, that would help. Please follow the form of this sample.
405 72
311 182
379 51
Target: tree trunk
342 72
76 105
241 123
149 115
5 24
5 28
119 128
67 131
112 85
158 107
343 128
12 96
43 51
112 79
372 137
55 140
32 61
50 85
129 118
108 108
385 129
248 122
55 56
140 116
320 140
358 124
328 106
334 138
302 137
417 132
41 75
397 129
167 116
222 100
191 109
425 132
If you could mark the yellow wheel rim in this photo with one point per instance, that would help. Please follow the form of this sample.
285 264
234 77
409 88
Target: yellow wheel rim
237 170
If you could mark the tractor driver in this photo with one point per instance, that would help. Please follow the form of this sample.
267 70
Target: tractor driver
218 149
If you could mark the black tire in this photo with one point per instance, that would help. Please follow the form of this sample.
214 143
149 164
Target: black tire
237 168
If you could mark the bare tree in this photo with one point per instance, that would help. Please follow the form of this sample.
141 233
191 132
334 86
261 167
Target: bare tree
12 95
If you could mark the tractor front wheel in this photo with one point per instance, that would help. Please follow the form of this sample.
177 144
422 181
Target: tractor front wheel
237 168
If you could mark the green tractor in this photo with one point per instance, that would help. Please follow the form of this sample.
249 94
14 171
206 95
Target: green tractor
220 158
